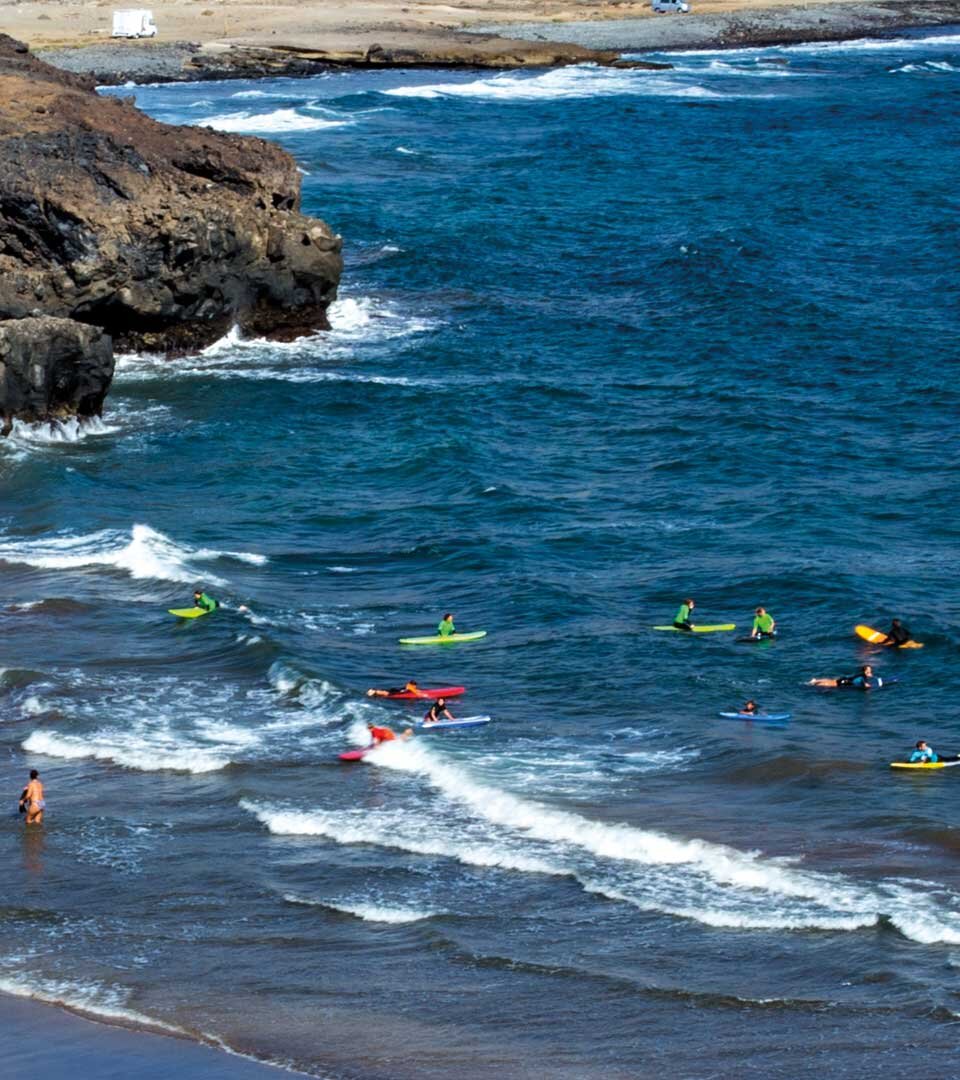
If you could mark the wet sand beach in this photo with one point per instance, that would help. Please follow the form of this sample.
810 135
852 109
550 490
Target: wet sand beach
58 1045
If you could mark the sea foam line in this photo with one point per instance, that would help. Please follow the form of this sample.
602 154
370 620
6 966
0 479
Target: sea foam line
130 749
365 910
143 553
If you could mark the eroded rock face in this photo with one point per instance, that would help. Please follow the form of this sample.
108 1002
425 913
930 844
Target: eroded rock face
51 369
163 236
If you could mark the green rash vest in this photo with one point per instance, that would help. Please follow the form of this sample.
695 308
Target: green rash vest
445 629
763 623
206 602
683 614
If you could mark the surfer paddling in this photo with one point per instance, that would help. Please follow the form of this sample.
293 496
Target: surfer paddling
924 754
206 603
864 680
394 691
380 734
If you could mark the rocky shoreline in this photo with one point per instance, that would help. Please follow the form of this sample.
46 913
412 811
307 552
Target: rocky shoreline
119 230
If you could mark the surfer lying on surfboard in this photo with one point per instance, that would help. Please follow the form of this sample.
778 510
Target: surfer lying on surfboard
201 600
925 754
380 735
865 680
438 711
407 688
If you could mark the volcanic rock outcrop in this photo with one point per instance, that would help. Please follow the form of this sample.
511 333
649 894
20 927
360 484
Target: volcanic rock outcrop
163 237
52 369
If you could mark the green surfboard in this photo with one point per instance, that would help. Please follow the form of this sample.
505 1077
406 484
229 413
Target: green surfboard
438 639
700 629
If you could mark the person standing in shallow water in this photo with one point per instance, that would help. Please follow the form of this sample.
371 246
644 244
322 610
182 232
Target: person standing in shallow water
32 801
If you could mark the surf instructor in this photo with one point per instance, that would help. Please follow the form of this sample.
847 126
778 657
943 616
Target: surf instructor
681 621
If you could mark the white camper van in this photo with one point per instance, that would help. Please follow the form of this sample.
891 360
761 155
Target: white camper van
665 6
135 23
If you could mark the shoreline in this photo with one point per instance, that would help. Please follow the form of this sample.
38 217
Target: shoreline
311 41
57 1041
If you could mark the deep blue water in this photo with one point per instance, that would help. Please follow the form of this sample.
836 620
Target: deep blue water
605 339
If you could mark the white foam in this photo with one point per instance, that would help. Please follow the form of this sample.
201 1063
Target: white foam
404 150
391 831
878 44
369 912
127 748
271 123
354 321
32 706
560 84
59 432
93 999
142 553
706 874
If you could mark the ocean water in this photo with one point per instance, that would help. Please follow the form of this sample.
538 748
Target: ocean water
605 339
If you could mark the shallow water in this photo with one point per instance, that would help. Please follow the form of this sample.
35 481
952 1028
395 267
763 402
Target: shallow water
605 339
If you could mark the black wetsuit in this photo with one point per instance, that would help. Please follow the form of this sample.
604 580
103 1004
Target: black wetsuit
898 635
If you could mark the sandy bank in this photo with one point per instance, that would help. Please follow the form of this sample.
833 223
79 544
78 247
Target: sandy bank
225 38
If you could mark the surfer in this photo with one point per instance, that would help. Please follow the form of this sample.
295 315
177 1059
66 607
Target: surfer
445 627
681 621
923 752
764 624
201 600
32 801
751 708
407 688
384 734
438 711
864 680
898 634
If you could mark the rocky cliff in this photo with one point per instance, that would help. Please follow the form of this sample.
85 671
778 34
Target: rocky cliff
163 237
52 369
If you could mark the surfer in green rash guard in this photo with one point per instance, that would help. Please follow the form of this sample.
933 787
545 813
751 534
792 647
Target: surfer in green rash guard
201 600
681 621
445 627
764 624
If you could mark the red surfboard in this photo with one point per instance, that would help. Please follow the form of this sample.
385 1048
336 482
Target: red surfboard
355 755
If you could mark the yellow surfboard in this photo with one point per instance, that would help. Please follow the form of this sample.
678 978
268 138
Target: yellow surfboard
878 637
188 612
922 764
